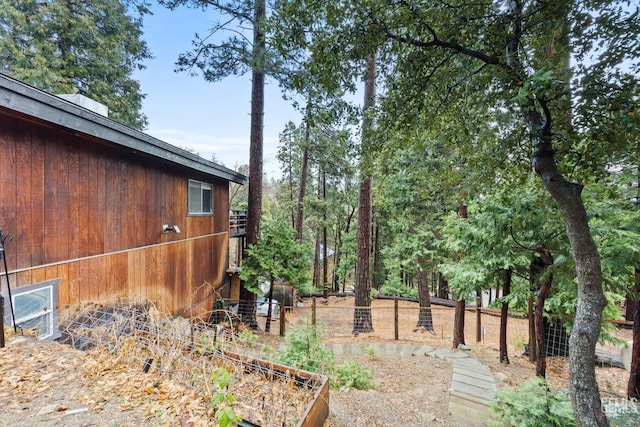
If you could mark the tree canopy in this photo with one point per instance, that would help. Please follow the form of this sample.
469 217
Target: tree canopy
87 47
557 80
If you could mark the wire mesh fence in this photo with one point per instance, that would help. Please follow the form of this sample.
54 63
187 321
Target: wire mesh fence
405 320
197 355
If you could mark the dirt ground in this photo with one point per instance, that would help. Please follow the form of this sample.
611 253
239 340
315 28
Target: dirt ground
50 384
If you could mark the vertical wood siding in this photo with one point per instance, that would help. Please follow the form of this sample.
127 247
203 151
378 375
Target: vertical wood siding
83 211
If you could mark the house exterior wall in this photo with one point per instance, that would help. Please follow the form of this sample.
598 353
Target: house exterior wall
91 214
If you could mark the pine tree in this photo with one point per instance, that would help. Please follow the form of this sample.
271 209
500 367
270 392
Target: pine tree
90 48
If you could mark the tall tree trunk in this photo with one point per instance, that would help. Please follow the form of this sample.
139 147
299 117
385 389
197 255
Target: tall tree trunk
376 256
543 293
317 277
303 175
583 387
533 353
425 317
336 257
585 396
533 280
630 307
291 195
247 306
504 316
325 266
458 323
458 319
362 321
443 287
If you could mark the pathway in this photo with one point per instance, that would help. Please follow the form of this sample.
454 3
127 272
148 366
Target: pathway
471 385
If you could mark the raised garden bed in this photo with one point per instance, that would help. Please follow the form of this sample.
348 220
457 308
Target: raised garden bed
261 392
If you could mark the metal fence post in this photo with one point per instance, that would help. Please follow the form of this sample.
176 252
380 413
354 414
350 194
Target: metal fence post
396 334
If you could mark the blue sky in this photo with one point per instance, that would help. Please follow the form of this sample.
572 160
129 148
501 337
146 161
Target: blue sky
191 113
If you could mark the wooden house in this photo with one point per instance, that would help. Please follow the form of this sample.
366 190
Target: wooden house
97 210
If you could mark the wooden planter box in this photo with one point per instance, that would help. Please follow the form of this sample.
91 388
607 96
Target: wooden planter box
317 412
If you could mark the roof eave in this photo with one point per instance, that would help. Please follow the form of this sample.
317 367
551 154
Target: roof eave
25 99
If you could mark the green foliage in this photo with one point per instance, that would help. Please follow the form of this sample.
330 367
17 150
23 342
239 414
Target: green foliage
352 375
398 290
304 350
86 47
532 405
248 337
222 401
278 256
370 351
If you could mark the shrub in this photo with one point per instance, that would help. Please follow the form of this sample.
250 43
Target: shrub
532 405
398 290
352 375
303 350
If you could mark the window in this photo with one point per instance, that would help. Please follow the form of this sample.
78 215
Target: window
35 307
200 198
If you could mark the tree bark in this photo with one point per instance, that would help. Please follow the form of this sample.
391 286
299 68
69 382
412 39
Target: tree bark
317 277
458 323
533 353
325 265
541 348
362 321
336 257
543 293
247 305
458 320
504 316
585 395
425 318
583 387
303 183
443 287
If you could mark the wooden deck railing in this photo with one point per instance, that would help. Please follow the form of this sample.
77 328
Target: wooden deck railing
237 223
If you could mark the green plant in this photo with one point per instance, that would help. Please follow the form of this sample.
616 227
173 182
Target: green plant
532 405
303 350
398 290
248 337
370 351
352 375
205 345
223 400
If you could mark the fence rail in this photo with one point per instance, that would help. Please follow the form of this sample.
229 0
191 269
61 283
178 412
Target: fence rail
398 320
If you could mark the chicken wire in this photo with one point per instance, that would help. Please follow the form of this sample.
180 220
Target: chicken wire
189 351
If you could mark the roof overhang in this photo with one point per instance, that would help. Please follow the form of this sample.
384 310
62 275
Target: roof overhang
27 100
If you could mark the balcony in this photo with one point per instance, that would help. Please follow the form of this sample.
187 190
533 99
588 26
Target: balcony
237 223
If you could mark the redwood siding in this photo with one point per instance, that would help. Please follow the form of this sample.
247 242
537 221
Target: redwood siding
92 215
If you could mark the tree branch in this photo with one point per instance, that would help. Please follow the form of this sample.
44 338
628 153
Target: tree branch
436 42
